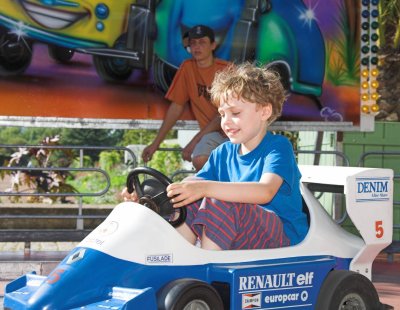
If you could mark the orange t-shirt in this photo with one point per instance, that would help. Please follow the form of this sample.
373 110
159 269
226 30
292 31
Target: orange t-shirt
191 84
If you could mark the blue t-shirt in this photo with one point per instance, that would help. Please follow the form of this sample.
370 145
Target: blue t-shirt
275 155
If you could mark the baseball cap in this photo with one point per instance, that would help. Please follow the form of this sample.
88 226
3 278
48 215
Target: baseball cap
201 31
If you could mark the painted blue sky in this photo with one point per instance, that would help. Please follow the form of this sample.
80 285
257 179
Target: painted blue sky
327 13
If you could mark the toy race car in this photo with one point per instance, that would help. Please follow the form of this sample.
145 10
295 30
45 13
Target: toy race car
136 260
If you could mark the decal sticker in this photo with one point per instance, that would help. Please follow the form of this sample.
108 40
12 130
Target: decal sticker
372 189
55 276
251 301
107 228
159 259
76 257
276 291
104 230
379 229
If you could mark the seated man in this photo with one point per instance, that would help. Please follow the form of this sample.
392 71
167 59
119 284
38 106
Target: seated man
190 85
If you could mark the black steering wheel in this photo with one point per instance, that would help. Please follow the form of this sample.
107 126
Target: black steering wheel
152 194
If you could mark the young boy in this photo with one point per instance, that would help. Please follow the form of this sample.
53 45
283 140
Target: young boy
247 195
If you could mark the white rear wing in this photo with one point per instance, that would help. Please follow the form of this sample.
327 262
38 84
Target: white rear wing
369 204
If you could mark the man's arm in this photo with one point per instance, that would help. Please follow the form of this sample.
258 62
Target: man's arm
214 125
173 114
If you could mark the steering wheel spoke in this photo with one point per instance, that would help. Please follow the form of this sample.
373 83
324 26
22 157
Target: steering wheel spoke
152 193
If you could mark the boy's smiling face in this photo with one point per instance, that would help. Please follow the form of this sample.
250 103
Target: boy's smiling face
244 122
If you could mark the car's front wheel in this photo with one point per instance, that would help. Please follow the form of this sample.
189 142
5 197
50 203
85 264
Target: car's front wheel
163 74
347 290
187 294
113 69
283 72
15 53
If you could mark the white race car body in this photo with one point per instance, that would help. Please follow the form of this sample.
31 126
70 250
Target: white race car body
134 253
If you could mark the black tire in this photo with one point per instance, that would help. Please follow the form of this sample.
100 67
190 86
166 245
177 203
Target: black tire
184 294
113 69
343 289
15 53
284 74
163 74
60 54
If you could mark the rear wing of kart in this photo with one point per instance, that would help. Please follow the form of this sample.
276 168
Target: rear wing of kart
369 204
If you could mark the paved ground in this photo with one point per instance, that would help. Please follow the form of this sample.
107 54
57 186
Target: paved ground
385 274
386 278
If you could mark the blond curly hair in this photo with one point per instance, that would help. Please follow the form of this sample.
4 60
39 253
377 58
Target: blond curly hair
258 85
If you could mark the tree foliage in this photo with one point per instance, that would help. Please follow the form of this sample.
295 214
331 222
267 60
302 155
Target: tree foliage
110 161
41 181
70 136
22 136
389 23
142 136
167 162
92 137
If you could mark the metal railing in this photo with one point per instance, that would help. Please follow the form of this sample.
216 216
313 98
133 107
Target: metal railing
317 154
340 158
77 234
66 169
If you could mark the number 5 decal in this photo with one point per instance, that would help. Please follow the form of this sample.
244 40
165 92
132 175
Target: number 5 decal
379 229
54 276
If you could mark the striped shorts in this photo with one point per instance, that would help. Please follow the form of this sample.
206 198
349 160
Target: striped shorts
234 226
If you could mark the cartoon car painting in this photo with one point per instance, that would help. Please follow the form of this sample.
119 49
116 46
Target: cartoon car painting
121 35
136 260
87 26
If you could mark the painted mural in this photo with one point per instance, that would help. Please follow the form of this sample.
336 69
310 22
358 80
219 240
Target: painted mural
115 59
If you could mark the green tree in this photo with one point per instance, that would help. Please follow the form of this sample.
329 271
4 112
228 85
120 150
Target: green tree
167 162
40 181
22 136
109 160
91 137
142 136
389 23
389 60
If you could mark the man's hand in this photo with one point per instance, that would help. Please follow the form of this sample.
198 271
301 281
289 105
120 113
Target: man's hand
187 152
148 152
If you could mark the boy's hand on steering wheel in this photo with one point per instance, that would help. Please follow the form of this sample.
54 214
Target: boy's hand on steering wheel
185 192
129 197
